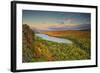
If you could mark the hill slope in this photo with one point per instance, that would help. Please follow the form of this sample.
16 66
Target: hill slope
27 43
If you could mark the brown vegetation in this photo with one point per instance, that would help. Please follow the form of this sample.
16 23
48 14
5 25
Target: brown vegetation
27 41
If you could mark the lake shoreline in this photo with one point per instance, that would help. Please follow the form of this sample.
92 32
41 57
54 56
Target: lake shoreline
53 38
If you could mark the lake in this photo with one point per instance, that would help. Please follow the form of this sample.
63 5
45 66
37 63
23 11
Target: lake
53 39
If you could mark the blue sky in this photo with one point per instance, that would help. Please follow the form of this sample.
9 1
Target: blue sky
50 18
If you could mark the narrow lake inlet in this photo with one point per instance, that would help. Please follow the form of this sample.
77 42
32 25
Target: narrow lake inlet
53 39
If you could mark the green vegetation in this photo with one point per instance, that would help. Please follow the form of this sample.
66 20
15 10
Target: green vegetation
36 49
53 51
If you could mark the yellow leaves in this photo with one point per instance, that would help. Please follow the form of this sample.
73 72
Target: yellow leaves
47 54
43 51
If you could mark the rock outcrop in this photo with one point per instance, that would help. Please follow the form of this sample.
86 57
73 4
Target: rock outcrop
27 43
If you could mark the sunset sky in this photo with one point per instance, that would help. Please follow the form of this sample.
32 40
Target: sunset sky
46 19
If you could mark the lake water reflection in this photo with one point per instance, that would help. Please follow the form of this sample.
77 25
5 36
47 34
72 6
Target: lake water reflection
53 39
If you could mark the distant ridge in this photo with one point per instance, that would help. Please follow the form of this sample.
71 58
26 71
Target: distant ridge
82 27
